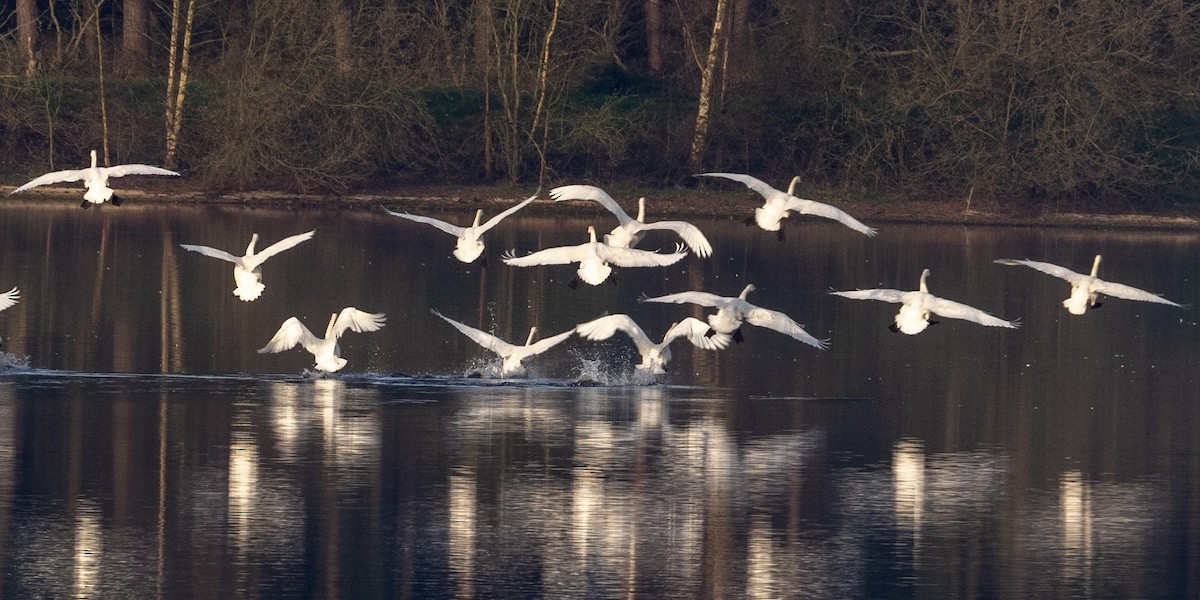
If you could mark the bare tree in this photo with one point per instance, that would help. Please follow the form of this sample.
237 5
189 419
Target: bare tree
340 19
134 46
177 78
654 35
27 31
700 137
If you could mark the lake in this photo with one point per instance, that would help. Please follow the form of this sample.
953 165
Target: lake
147 449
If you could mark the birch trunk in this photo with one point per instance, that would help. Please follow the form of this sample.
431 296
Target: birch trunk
700 137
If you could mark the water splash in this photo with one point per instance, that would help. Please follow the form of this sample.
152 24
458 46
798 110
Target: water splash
12 362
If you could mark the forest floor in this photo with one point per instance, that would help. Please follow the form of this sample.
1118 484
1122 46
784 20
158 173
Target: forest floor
665 203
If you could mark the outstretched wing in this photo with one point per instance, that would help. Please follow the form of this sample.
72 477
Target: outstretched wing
751 182
545 344
54 177
1119 290
1049 269
562 255
500 217
453 230
956 310
820 209
591 192
278 247
358 321
134 169
213 252
9 298
632 257
604 328
700 298
772 319
482 338
292 332
880 294
696 331
691 235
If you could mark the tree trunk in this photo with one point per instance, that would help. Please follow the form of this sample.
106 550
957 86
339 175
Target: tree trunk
27 30
134 48
177 76
654 36
340 14
700 137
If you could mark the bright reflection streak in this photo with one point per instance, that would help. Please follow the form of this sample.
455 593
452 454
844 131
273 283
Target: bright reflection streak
1076 499
462 507
89 542
285 416
908 489
243 486
760 561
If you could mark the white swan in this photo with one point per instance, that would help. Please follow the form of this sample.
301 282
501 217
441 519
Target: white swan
629 231
778 204
247 270
594 258
512 355
916 307
95 179
326 351
7 299
732 312
469 246
1086 288
655 356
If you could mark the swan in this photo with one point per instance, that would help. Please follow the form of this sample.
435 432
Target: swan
468 247
1086 288
917 306
732 312
629 231
247 270
328 354
594 258
7 299
95 179
655 356
778 204
512 355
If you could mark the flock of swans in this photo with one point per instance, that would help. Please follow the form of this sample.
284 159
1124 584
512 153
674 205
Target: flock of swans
596 259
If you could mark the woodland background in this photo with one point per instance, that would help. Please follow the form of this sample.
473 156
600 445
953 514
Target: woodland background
1016 101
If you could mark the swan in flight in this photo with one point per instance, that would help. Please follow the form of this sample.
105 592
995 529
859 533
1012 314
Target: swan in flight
1086 288
655 356
629 231
732 312
512 355
95 179
247 270
594 258
917 306
9 298
468 247
328 354
778 205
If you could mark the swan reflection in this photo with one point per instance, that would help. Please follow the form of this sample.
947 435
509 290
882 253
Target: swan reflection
908 488
1075 496
89 544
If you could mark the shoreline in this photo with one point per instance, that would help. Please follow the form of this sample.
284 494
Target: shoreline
736 203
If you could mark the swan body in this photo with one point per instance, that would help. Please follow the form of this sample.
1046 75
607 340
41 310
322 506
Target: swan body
594 258
1085 289
326 351
247 269
513 356
629 230
917 306
732 312
779 205
468 246
95 179
655 356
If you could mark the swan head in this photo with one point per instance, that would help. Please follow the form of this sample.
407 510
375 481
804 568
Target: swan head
467 249
93 159
592 233
912 319
746 291
792 186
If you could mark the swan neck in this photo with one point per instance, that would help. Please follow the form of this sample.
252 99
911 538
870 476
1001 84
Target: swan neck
746 291
532 332
478 217
642 209
792 185
1096 265
924 276
592 233
253 243
93 159
329 328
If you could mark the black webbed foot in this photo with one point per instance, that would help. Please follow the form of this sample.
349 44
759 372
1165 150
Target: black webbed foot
748 221
737 336
85 205
780 235
1097 305
932 322
116 200
893 328
573 284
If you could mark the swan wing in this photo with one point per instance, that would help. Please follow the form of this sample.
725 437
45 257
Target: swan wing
773 319
54 177
753 183
9 298
820 209
1049 269
700 298
696 331
956 310
604 328
492 222
591 192
213 252
562 255
453 230
632 257
358 321
545 344
1120 290
280 246
292 332
482 338
134 169
691 235
878 294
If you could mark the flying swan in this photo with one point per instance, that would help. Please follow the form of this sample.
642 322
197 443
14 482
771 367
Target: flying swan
468 247
326 351
778 204
732 312
655 356
1086 288
594 258
917 306
247 270
95 179
629 231
512 355
8 299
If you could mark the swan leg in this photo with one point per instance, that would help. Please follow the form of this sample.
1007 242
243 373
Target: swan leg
749 221
932 322
574 283
737 336
85 204
893 328
780 235
116 200
1097 304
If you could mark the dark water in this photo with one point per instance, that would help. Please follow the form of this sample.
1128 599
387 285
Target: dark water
148 450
